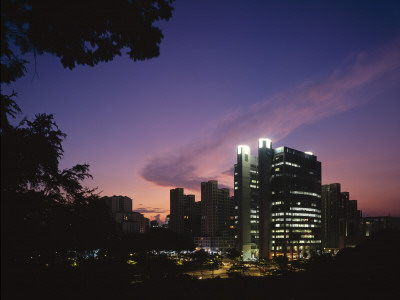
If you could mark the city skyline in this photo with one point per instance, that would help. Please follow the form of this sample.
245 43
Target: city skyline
319 77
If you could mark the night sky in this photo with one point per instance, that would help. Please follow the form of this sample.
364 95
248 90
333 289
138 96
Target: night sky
319 76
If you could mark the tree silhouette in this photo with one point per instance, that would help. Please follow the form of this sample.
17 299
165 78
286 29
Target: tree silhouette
47 214
281 262
45 209
79 32
233 254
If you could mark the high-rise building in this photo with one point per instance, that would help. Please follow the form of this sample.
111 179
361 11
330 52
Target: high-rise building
340 218
127 220
184 213
279 201
296 202
233 219
118 203
215 209
249 196
332 215
216 218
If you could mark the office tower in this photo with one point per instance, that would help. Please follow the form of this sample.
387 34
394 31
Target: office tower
296 203
233 219
253 193
183 212
279 200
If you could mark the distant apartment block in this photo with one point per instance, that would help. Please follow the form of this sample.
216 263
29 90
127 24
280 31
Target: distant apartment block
118 203
369 225
340 218
215 209
217 215
184 213
127 220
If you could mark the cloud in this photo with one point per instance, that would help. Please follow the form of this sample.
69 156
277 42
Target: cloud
157 218
149 210
228 172
360 78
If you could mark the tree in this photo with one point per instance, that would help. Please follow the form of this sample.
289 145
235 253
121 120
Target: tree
281 262
79 32
233 254
45 209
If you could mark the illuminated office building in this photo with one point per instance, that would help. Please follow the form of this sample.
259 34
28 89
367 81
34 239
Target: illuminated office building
279 202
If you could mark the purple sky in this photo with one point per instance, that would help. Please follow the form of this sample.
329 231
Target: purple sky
320 76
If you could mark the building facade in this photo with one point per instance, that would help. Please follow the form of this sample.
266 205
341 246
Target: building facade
370 225
127 220
118 203
332 216
217 218
278 194
184 213
340 218
215 209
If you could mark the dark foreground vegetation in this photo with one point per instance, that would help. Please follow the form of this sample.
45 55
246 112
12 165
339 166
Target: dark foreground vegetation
369 271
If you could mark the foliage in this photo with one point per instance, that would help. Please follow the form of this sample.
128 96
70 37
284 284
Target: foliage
375 257
8 108
281 262
52 226
157 239
201 256
233 254
45 211
316 262
156 267
79 32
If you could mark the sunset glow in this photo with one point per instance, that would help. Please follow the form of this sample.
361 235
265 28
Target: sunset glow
321 77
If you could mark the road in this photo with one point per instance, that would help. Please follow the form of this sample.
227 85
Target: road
223 272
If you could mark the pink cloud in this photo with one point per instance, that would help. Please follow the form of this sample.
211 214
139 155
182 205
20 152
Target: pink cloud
357 81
